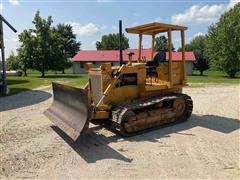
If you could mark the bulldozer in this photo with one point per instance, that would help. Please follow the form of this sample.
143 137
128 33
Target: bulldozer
131 98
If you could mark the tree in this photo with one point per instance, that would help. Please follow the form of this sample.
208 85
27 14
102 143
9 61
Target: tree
25 61
67 46
36 50
161 44
43 39
12 62
198 46
111 42
187 48
25 54
223 42
46 47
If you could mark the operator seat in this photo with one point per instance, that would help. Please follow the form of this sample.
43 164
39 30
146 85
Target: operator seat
151 66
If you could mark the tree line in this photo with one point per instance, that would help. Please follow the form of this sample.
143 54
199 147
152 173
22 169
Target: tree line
49 48
219 49
45 47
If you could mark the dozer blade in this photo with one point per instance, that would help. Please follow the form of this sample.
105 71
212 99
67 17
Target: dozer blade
69 110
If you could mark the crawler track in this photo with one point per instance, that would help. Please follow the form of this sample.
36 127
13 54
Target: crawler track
145 114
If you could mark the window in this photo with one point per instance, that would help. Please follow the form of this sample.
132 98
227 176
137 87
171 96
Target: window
81 65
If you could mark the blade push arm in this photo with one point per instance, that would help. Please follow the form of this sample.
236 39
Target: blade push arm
111 85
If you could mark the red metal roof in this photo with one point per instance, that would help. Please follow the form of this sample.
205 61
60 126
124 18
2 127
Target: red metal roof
113 55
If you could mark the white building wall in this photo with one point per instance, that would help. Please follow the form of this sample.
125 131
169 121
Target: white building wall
78 67
189 67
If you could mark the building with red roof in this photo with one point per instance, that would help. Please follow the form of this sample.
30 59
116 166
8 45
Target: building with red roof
97 57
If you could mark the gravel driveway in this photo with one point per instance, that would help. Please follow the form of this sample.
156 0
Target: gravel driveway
206 146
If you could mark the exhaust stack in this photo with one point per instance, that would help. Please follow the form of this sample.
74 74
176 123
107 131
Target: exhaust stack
120 43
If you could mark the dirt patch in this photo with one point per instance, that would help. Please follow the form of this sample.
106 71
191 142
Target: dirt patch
206 146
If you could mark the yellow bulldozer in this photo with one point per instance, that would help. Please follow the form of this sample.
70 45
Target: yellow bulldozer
130 98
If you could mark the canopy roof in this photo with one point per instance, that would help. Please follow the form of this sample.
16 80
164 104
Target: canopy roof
154 28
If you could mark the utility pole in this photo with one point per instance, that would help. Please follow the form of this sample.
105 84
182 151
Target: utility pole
4 79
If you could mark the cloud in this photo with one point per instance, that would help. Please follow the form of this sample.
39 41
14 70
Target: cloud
199 14
1 7
15 39
94 42
11 44
202 14
233 3
177 40
198 34
189 39
87 29
14 2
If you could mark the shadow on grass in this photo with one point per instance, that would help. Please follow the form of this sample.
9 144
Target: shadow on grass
227 77
17 90
27 98
61 76
16 81
198 75
93 146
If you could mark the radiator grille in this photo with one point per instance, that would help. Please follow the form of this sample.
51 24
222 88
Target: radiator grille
96 84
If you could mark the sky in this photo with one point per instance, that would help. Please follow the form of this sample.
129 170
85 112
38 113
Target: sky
93 18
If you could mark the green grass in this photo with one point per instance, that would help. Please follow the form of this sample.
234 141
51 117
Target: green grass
215 77
33 80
